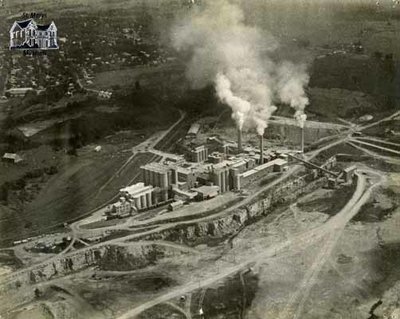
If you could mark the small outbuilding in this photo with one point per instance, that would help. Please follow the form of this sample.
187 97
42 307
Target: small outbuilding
12 158
175 205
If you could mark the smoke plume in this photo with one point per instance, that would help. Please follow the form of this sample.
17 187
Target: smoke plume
235 57
290 88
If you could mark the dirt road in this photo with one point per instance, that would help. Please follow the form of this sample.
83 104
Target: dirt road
333 228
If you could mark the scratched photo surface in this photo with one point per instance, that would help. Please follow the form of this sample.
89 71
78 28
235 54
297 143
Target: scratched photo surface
200 159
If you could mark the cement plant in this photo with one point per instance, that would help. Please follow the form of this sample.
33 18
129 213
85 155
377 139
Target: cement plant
196 159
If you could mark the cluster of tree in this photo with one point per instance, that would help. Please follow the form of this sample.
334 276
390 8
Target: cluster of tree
20 183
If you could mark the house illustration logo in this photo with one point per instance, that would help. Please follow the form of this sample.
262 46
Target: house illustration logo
28 35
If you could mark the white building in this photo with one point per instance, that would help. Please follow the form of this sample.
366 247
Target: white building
18 92
29 35
12 158
139 194
121 208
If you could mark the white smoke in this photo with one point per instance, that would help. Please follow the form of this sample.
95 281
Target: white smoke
239 106
290 88
235 58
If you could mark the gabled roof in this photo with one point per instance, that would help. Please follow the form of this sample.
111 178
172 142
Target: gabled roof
24 23
43 27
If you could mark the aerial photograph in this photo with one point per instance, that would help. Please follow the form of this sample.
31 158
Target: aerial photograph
200 159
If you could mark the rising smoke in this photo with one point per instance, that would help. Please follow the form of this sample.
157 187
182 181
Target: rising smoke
235 57
291 80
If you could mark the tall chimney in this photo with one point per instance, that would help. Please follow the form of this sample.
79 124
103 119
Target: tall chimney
239 141
302 140
261 149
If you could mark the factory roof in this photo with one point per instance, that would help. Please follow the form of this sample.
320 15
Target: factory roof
194 129
259 168
239 163
188 194
156 167
206 190
280 161
136 189
220 165
183 170
308 124
350 168
176 204
199 148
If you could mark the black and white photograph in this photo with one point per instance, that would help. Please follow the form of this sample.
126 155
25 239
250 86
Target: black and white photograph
199 159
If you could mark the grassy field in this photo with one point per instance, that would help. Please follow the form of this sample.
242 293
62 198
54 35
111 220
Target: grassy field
82 184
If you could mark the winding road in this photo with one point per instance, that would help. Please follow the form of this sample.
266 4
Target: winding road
330 231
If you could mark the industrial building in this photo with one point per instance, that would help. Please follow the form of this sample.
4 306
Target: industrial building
198 154
121 208
193 130
221 171
216 157
206 192
158 175
140 195
277 165
212 168
349 173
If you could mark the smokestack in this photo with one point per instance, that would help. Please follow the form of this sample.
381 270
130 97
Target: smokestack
302 140
239 141
261 149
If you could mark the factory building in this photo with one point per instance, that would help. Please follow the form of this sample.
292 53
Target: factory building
216 158
211 169
140 195
255 174
193 130
121 208
219 176
349 173
206 192
227 174
184 195
198 154
158 175
214 144
175 205
183 177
